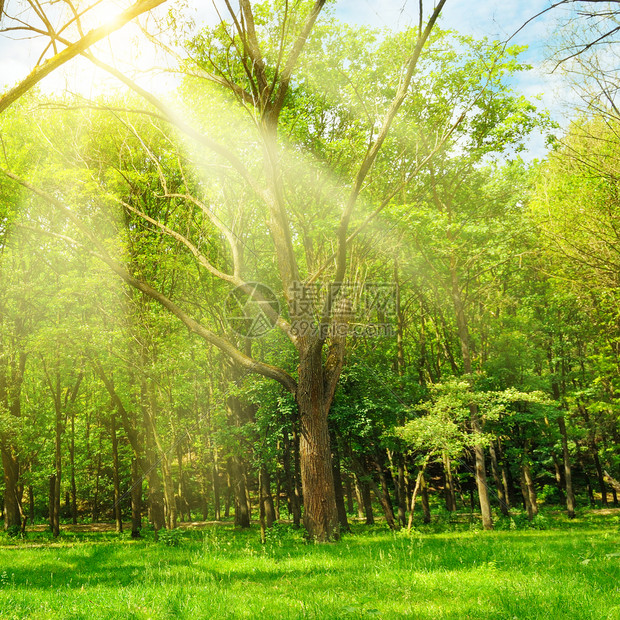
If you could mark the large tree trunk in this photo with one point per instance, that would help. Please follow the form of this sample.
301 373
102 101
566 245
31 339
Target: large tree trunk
317 480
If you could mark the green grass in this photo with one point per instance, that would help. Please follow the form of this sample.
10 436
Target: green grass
568 570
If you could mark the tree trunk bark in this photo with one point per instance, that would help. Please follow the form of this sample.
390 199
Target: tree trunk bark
242 515
426 509
366 500
266 498
349 493
531 489
136 499
215 476
559 479
74 513
338 489
383 495
499 483
317 480
463 332
294 508
95 507
118 515
58 473
31 513
402 492
568 475
12 504
360 499
449 483
599 473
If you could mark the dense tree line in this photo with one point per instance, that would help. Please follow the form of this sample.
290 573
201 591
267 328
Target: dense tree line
444 324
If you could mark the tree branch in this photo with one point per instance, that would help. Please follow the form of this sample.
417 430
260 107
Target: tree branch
38 73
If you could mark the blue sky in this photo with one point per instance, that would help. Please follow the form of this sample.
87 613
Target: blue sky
493 19
497 20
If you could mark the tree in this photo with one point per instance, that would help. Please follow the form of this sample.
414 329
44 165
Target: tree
260 76
65 41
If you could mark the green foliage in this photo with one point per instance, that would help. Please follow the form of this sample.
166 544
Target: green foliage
170 538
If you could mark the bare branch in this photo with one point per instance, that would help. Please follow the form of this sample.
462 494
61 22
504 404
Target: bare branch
38 73
192 324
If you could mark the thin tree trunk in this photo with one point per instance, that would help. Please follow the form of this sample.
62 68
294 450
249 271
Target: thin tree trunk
74 514
52 505
366 499
599 473
480 465
95 506
568 476
229 493
31 513
449 483
414 495
12 504
136 499
342 511
499 484
292 497
425 504
531 489
559 479
527 502
242 516
360 499
383 495
266 499
118 516
215 477
402 492
261 506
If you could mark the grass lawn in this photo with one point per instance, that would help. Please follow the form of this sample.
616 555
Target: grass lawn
566 570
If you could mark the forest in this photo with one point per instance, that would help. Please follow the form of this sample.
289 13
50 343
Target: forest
315 286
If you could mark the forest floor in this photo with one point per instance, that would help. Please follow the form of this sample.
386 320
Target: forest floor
550 569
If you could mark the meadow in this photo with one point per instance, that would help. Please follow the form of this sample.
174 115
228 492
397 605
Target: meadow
549 569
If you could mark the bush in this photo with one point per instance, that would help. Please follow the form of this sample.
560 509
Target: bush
170 538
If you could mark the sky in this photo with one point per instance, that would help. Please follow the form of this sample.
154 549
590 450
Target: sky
491 18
